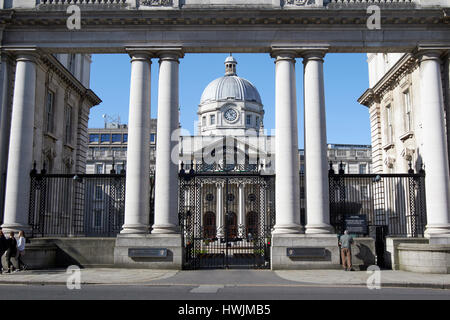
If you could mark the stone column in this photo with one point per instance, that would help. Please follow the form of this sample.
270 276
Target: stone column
286 146
5 120
219 211
166 172
435 151
20 155
242 219
137 195
316 163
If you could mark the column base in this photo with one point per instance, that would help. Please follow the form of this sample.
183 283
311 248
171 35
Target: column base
172 243
319 229
165 229
15 227
135 229
437 230
287 229
328 244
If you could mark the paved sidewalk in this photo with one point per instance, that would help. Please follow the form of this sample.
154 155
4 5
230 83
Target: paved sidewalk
330 278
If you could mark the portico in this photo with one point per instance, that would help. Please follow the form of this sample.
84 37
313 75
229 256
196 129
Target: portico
277 31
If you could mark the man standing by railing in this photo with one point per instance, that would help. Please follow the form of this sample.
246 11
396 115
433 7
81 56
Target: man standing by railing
346 253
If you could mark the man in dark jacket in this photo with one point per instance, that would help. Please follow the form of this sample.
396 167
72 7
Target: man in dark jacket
3 248
11 251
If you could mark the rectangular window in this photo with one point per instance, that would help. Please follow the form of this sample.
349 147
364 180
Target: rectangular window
249 119
125 137
364 193
71 63
212 119
68 125
152 137
204 121
93 138
116 137
98 193
105 137
407 105
98 217
99 168
362 169
49 111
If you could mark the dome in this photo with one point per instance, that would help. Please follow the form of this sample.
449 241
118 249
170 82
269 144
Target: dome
232 87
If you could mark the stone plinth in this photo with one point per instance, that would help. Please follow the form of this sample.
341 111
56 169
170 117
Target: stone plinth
424 258
281 242
171 242
391 254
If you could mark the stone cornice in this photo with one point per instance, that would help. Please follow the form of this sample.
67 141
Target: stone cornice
215 16
52 63
404 66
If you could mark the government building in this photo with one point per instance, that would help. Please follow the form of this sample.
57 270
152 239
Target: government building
233 195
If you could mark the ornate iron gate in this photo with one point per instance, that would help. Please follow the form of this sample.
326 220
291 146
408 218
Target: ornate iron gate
226 219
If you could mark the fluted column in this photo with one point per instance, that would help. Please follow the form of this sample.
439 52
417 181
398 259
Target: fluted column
219 211
287 190
242 220
316 165
166 172
435 151
137 196
20 156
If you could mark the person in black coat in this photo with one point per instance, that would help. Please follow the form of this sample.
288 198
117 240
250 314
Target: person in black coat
3 248
11 251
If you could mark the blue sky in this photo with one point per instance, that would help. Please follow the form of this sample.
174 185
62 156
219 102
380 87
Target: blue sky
346 78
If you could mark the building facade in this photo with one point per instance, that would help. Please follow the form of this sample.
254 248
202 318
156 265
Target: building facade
397 113
108 146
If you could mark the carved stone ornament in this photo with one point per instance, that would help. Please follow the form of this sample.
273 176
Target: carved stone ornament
157 3
300 2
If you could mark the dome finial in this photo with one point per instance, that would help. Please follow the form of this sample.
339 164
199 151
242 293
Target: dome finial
230 65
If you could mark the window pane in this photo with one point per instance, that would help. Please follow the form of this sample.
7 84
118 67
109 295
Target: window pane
116 137
152 137
93 138
125 137
105 137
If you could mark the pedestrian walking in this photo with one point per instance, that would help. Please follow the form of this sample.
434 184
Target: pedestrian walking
11 251
346 250
21 251
3 248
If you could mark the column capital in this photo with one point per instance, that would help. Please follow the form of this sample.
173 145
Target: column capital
283 54
23 54
140 54
313 54
170 54
430 53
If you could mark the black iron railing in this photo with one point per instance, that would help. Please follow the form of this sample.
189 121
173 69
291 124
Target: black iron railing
395 202
78 205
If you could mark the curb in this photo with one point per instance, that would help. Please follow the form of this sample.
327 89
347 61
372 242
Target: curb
443 286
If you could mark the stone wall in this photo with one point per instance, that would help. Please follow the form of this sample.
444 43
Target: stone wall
424 258
84 252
